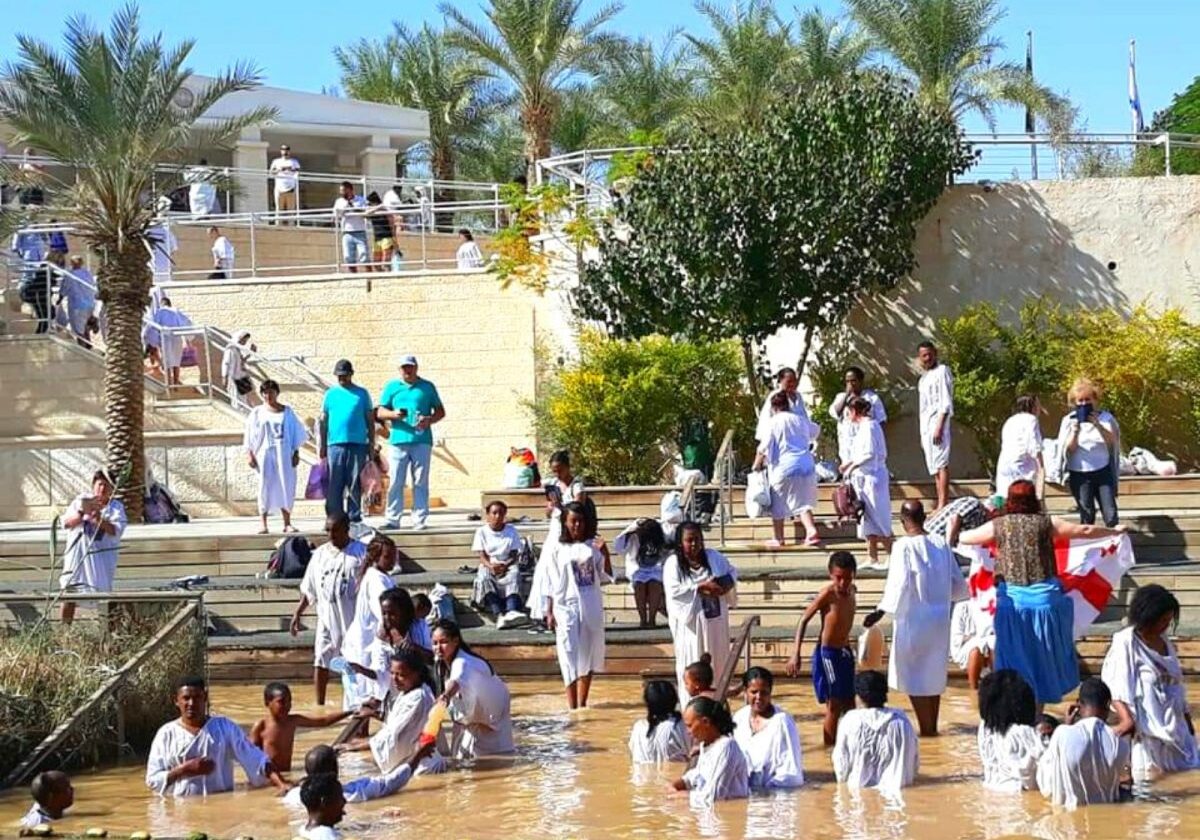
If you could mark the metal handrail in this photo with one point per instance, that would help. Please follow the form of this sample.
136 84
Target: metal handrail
723 476
739 644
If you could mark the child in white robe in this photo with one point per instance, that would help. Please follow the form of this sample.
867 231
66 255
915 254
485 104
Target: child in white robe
721 771
767 736
1009 743
644 545
1084 761
1149 693
194 754
53 794
935 399
478 700
699 584
561 490
868 473
876 746
325 801
661 736
971 643
498 579
273 437
575 612
324 759
375 578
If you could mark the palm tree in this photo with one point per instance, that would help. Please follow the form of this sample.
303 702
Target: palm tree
648 89
541 47
494 155
423 70
946 48
826 49
747 66
583 120
111 108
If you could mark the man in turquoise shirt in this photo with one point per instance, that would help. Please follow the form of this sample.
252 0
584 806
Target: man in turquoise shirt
411 405
347 440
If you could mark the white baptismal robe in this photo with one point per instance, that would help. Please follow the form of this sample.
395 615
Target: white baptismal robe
272 437
875 748
773 752
923 581
576 574
221 740
1010 759
1082 764
721 772
481 711
394 745
670 741
868 450
1152 686
693 631
368 616
362 789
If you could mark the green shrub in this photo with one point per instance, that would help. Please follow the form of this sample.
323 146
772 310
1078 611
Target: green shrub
625 406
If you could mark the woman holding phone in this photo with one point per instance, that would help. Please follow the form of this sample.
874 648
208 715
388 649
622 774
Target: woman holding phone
1093 442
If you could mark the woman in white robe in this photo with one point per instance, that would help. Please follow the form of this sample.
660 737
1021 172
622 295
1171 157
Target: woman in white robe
169 321
721 771
767 736
868 474
274 435
661 735
699 584
876 746
578 568
233 368
478 700
78 290
1143 672
1021 447
375 578
1085 760
94 523
785 452
1009 745
644 544
561 490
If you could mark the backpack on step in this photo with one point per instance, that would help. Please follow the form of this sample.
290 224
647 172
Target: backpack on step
290 559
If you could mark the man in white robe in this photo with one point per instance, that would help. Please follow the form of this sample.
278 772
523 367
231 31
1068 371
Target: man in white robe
194 754
94 522
936 401
171 343
161 245
839 410
876 746
1083 762
924 580
695 631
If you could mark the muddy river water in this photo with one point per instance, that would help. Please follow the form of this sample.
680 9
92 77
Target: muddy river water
572 778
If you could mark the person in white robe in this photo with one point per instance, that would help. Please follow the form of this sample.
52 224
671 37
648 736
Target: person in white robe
497 587
644 544
194 754
169 321
375 580
1021 448
478 701
410 702
579 567
868 473
273 437
161 245
786 454
330 584
876 746
78 291
233 369
661 735
560 490
324 759
700 588
1009 744
971 642
788 383
721 770
839 410
924 580
1083 762
935 392
95 523
1149 693
767 736
468 255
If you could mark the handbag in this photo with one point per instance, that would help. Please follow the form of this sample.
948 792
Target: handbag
846 503
318 481
243 385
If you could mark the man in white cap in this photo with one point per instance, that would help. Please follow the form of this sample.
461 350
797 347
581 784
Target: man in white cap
411 405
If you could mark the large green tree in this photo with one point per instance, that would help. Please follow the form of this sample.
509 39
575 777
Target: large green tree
948 51
781 225
827 48
540 47
1182 116
422 69
647 88
111 108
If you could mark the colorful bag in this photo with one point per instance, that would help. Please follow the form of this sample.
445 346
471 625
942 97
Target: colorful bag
318 481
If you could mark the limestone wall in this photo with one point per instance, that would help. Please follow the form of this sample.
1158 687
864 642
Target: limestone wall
474 341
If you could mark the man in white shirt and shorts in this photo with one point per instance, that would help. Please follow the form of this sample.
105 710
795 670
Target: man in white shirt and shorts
285 170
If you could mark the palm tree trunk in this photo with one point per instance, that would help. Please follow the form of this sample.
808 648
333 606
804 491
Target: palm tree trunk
442 164
125 293
536 120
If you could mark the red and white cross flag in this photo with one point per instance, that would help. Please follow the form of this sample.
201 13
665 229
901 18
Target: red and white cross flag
1090 571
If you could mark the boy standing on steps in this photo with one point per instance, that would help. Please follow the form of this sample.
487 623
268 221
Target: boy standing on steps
833 662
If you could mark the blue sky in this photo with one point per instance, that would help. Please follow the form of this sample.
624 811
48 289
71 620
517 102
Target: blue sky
1081 46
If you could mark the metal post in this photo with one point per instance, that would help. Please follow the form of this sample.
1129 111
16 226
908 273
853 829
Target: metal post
424 260
496 199
208 364
337 246
253 249
1167 145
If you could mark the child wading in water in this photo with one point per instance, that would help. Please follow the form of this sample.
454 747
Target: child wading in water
275 734
326 805
833 662
52 795
698 678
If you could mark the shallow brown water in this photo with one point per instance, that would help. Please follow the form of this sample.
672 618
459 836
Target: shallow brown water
572 779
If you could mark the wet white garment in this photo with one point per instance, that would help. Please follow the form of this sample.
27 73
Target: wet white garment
480 712
876 748
870 478
762 428
329 584
362 789
1153 688
320 832
221 740
35 816
670 741
966 636
923 582
273 437
368 616
90 558
538 593
699 624
1010 759
576 575
773 753
721 772
936 397
1020 446
394 745
1082 764
846 427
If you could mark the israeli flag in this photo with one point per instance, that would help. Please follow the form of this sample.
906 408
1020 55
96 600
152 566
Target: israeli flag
1135 103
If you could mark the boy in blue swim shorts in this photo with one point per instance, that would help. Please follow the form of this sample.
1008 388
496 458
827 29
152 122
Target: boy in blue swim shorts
833 662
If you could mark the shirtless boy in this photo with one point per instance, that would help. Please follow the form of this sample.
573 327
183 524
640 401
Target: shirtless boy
833 663
276 733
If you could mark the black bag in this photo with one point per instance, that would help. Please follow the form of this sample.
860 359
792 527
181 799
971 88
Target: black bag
290 560
244 385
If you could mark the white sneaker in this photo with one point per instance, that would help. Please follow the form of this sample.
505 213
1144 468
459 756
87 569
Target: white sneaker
514 618
502 622
419 526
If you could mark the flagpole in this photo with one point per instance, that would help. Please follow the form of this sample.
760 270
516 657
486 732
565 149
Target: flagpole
1030 126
